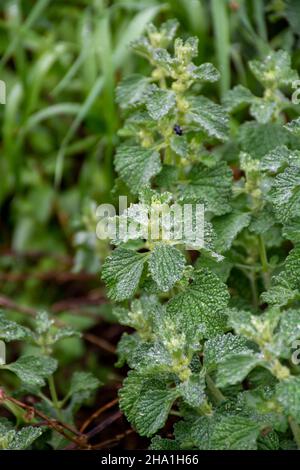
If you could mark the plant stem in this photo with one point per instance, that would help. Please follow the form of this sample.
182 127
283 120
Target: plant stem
53 394
216 393
295 430
264 261
18 412
252 279
175 413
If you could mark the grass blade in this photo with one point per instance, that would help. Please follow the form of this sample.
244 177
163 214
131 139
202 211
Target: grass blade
222 42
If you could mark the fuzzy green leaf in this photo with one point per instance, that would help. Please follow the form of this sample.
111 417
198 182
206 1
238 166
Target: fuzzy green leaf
227 227
278 158
82 382
33 370
235 367
10 439
288 394
160 102
137 165
25 437
206 73
159 443
209 117
237 98
258 139
146 401
275 69
289 327
132 91
291 230
235 433
285 194
211 187
121 272
262 110
43 322
278 295
200 308
290 276
218 348
11 331
193 390
126 348
294 126
166 265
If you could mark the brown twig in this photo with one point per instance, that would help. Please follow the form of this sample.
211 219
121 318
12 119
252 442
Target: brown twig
77 303
98 413
101 426
32 254
100 342
104 424
6 302
80 440
59 277
114 440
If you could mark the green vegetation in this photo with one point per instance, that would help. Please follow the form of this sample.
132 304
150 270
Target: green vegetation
119 98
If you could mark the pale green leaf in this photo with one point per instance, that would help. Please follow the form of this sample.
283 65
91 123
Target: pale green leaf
43 322
235 367
137 165
132 91
33 370
262 110
193 390
160 102
218 348
159 443
285 194
200 308
12 331
25 437
290 276
209 117
237 98
258 139
211 187
279 295
121 272
82 382
205 73
235 433
288 394
166 265
274 70
146 401
278 158
294 126
227 227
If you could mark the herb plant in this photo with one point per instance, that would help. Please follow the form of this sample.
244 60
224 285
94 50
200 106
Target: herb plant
215 326
45 422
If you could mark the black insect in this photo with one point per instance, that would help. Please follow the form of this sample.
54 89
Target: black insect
177 129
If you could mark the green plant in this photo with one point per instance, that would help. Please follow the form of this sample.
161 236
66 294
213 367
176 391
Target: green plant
215 326
34 372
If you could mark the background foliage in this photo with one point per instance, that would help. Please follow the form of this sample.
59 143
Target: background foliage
61 61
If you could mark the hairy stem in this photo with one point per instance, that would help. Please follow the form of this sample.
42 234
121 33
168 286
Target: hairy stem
264 261
213 389
54 397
